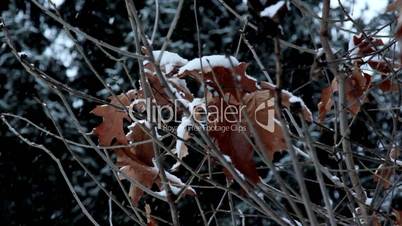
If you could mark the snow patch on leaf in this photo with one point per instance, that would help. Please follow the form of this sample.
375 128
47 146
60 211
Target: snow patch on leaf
169 60
183 135
209 62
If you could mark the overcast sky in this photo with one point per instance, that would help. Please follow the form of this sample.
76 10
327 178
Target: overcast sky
368 9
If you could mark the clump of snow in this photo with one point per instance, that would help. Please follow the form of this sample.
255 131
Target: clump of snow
182 134
295 99
178 94
335 179
111 20
352 48
169 60
368 201
175 191
240 174
272 10
227 158
195 103
290 222
179 82
209 62
22 54
320 52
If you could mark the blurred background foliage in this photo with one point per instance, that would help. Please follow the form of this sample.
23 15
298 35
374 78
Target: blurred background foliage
32 190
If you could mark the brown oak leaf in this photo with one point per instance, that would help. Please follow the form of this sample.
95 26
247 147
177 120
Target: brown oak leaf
382 66
387 85
235 143
325 105
112 125
274 141
159 93
144 152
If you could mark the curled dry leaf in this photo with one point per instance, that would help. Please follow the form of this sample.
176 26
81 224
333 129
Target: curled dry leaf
360 46
395 215
355 86
397 6
387 85
137 163
222 73
385 69
147 176
325 105
381 65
